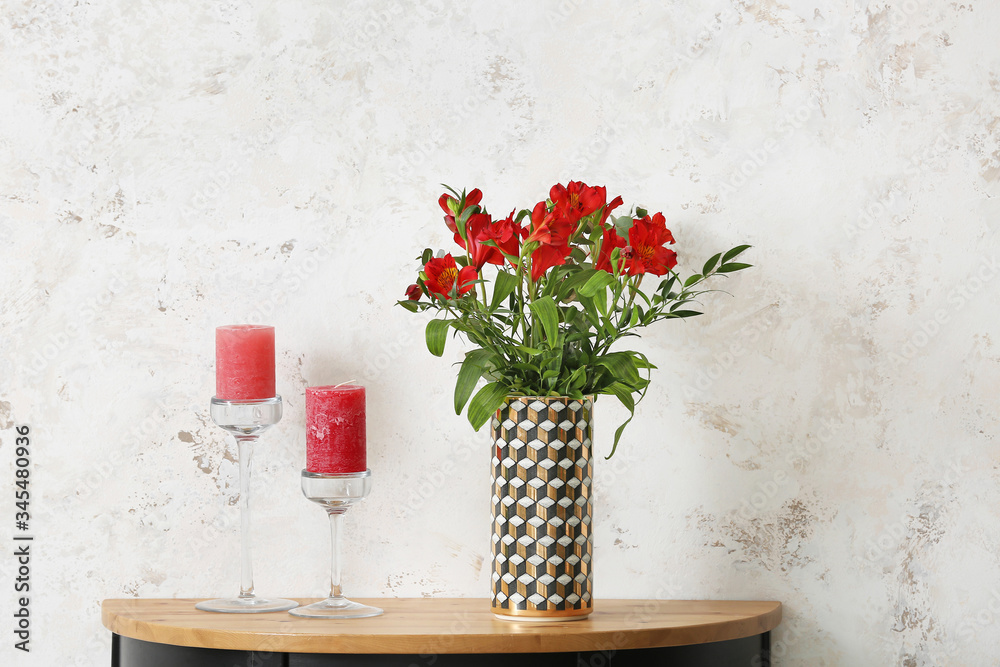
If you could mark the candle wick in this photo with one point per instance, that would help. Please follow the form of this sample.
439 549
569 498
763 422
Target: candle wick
343 383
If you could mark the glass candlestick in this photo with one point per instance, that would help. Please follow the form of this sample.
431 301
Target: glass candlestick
336 492
246 420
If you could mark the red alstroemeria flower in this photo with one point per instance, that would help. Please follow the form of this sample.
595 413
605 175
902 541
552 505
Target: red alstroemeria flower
609 242
477 230
449 205
577 200
444 277
551 232
413 292
507 234
548 227
645 250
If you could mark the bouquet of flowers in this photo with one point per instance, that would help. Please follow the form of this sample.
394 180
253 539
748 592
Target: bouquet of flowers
567 280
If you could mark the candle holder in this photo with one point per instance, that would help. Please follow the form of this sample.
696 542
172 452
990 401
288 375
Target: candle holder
336 492
246 420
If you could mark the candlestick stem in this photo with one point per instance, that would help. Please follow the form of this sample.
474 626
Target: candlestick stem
245 444
245 420
336 573
336 493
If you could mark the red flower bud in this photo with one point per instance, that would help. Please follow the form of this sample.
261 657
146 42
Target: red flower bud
448 204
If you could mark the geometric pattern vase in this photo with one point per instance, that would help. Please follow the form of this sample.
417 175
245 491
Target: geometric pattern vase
542 533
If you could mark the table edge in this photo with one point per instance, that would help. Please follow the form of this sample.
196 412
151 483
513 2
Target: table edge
597 640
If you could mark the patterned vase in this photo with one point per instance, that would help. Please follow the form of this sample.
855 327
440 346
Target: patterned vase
542 536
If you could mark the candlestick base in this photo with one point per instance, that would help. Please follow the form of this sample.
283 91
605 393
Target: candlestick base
336 492
336 608
246 605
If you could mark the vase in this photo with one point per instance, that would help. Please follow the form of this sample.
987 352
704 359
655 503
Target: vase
542 533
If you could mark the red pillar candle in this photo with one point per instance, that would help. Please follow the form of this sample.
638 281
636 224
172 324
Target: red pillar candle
335 429
244 362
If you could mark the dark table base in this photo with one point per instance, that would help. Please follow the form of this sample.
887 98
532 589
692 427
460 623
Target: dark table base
747 652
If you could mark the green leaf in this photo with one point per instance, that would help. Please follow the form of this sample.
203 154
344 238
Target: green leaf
734 252
601 301
710 264
525 367
426 256
642 361
623 394
577 379
684 313
677 304
623 224
574 281
590 310
468 375
437 334
486 402
622 367
733 266
554 280
598 282
547 312
503 287
459 325
618 436
692 280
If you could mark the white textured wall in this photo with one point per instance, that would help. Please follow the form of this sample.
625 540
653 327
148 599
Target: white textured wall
167 167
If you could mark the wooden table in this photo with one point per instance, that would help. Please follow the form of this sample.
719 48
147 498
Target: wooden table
421 632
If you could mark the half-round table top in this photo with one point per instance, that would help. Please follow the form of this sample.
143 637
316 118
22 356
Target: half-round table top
443 625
